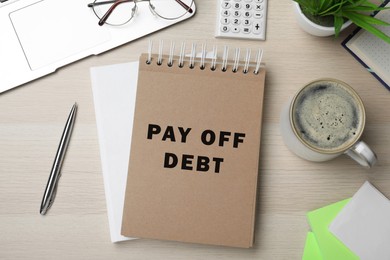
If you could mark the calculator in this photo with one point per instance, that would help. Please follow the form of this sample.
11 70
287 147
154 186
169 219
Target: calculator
242 19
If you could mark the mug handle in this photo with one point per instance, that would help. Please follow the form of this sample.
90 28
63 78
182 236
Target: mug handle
362 154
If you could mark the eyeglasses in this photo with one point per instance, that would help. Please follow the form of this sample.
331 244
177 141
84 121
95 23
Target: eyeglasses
125 9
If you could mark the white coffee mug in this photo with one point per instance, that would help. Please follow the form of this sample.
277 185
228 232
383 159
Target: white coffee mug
324 120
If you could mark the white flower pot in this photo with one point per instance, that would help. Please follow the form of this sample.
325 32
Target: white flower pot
314 28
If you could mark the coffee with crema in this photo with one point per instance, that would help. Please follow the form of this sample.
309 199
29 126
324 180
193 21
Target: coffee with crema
328 115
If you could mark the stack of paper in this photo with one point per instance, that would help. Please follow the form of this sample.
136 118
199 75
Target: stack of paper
357 228
114 89
329 246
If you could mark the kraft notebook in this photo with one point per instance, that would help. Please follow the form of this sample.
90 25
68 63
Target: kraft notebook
195 146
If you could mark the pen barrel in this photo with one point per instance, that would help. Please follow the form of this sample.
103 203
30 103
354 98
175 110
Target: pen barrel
55 173
64 140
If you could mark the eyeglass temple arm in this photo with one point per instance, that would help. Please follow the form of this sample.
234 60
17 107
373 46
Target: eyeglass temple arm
105 2
101 3
114 3
189 9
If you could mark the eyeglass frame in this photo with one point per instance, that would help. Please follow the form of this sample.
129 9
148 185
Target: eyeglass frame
115 3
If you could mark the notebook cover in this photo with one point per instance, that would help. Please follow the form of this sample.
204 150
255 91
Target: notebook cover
373 43
194 201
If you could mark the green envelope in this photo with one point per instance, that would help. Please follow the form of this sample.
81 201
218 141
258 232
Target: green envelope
312 250
331 248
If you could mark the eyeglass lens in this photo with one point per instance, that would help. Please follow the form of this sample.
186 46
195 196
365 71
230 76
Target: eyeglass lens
119 12
171 9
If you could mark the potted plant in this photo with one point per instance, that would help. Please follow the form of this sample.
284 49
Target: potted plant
328 17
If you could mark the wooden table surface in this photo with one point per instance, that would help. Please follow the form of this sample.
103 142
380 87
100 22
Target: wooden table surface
32 118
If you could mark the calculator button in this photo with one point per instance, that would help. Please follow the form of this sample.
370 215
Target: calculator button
248 6
226 13
259 7
236 21
226 5
224 21
259 1
258 15
246 22
236 29
247 14
224 28
236 14
237 6
246 30
257 28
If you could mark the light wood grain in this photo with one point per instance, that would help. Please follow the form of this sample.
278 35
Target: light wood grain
32 118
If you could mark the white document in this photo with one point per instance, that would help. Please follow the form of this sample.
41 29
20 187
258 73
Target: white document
114 91
363 225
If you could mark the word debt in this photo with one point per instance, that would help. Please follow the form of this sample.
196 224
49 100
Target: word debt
190 162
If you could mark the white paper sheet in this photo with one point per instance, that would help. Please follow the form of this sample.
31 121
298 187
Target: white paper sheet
114 90
363 225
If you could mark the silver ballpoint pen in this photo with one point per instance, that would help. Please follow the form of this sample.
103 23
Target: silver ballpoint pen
51 187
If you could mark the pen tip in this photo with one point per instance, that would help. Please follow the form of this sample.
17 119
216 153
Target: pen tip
74 107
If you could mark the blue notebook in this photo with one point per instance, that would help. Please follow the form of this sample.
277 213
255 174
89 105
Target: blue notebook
373 53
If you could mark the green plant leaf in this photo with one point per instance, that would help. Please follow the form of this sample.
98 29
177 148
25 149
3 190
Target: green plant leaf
322 3
363 2
338 23
334 9
357 19
326 5
368 19
364 8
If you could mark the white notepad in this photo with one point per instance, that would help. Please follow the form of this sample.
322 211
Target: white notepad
363 225
114 90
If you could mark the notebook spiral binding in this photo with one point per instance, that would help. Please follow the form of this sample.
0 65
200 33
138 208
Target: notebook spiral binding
203 58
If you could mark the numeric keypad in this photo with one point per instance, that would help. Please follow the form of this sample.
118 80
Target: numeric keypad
244 19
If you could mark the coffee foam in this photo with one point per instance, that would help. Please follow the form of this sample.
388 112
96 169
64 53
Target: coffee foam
327 116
